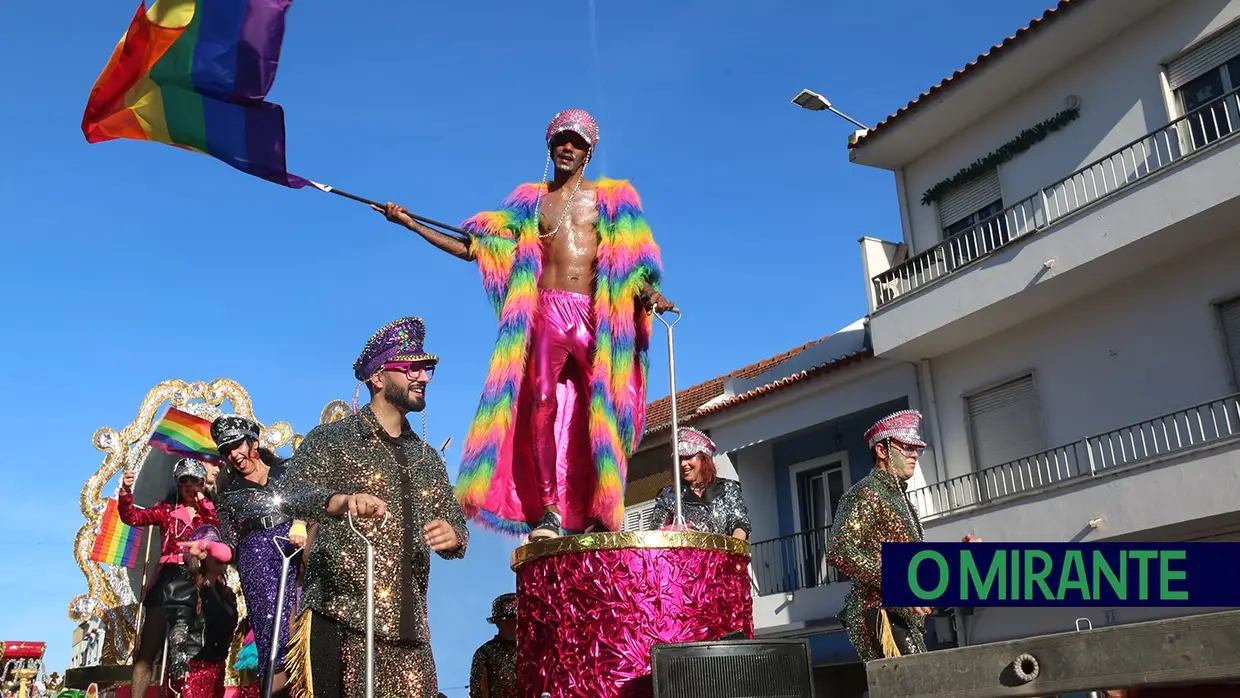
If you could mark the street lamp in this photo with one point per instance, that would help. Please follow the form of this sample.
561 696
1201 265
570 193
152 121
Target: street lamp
816 102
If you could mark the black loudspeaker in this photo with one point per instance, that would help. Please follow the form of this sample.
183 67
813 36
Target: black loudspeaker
733 669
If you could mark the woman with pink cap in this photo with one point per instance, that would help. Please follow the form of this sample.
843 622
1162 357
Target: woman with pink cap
711 504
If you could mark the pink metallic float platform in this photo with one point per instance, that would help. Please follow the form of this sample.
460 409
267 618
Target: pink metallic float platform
591 607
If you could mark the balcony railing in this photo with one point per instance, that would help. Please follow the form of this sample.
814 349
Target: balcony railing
1207 424
785 564
1201 128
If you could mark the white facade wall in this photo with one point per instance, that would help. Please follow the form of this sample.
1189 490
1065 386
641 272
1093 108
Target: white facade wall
1148 346
1122 97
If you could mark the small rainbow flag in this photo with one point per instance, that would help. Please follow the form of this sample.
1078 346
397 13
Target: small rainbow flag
184 435
195 74
117 542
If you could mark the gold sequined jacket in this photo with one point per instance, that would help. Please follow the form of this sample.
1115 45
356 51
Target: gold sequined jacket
355 455
872 512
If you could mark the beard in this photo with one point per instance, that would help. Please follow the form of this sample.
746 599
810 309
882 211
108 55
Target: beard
401 399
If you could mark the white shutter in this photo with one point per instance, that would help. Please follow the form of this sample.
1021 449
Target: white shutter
970 197
637 517
1230 313
1005 423
1209 54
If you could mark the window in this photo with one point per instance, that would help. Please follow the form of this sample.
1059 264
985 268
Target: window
971 209
1201 77
1229 313
1005 423
638 516
818 486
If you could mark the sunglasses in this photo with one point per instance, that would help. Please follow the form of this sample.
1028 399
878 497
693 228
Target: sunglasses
412 370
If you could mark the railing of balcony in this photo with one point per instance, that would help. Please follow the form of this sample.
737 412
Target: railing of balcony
785 564
1172 434
1154 152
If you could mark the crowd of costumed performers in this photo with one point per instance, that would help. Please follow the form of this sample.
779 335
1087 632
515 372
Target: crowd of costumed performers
573 273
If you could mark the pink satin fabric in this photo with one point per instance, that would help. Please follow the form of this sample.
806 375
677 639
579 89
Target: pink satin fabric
587 621
561 349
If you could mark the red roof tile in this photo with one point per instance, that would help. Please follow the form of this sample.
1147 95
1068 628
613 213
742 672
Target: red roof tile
996 52
689 400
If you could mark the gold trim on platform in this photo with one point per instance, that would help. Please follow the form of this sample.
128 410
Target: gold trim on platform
623 540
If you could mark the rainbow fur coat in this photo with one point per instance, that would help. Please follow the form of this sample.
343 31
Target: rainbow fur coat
506 245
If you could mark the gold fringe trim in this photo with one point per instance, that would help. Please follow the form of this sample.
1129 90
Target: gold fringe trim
885 636
297 662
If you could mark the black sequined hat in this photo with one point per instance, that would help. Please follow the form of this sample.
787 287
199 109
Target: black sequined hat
504 607
231 429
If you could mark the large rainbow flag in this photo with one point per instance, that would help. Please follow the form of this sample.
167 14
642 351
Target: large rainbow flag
195 74
117 542
184 435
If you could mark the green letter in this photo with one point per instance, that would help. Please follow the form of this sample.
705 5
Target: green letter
944 575
1073 565
1143 576
1038 578
970 573
1102 568
1166 575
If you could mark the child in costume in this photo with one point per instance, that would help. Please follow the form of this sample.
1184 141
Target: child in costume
185 509
199 654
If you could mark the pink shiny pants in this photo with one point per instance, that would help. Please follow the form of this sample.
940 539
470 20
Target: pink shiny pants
561 347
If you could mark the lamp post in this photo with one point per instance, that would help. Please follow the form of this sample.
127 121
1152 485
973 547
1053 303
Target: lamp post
816 102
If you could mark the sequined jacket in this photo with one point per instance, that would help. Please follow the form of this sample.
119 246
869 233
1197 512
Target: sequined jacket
242 503
874 511
355 455
720 509
495 668
174 525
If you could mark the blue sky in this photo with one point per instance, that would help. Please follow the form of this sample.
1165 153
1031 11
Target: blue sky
124 264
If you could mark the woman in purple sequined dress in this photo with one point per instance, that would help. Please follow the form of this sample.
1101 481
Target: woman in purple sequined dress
255 525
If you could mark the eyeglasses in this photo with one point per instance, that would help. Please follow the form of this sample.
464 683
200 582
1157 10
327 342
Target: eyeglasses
412 371
911 450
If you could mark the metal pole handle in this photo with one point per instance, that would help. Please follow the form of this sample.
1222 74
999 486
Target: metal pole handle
679 522
370 602
285 562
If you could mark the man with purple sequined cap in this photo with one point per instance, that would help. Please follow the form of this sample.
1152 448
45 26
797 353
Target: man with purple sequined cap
372 463
493 673
874 511
572 270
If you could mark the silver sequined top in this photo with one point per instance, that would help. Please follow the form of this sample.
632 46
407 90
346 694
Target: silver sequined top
241 501
355 455
720 509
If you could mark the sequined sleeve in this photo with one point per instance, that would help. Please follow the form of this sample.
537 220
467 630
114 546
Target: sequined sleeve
738 511
477 674
856 543
310 480
210 516
664 509
133 516
447 508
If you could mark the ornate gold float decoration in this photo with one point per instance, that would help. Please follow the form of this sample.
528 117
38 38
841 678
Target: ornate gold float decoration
627 540
109 596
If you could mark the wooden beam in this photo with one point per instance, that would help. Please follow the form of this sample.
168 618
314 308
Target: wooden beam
1195 649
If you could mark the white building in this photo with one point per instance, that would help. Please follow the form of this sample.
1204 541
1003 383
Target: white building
1066 315
87 644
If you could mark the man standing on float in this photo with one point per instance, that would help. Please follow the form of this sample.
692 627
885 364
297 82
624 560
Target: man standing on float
572 271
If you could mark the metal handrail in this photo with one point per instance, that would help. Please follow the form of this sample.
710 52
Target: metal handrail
1171 144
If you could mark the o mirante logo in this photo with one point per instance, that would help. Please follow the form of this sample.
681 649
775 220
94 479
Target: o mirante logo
1061 574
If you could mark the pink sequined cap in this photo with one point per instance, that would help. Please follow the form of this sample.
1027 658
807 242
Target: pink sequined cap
903 426
578 121
690 442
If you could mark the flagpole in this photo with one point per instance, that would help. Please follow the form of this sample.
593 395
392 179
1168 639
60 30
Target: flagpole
146 567
428 221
